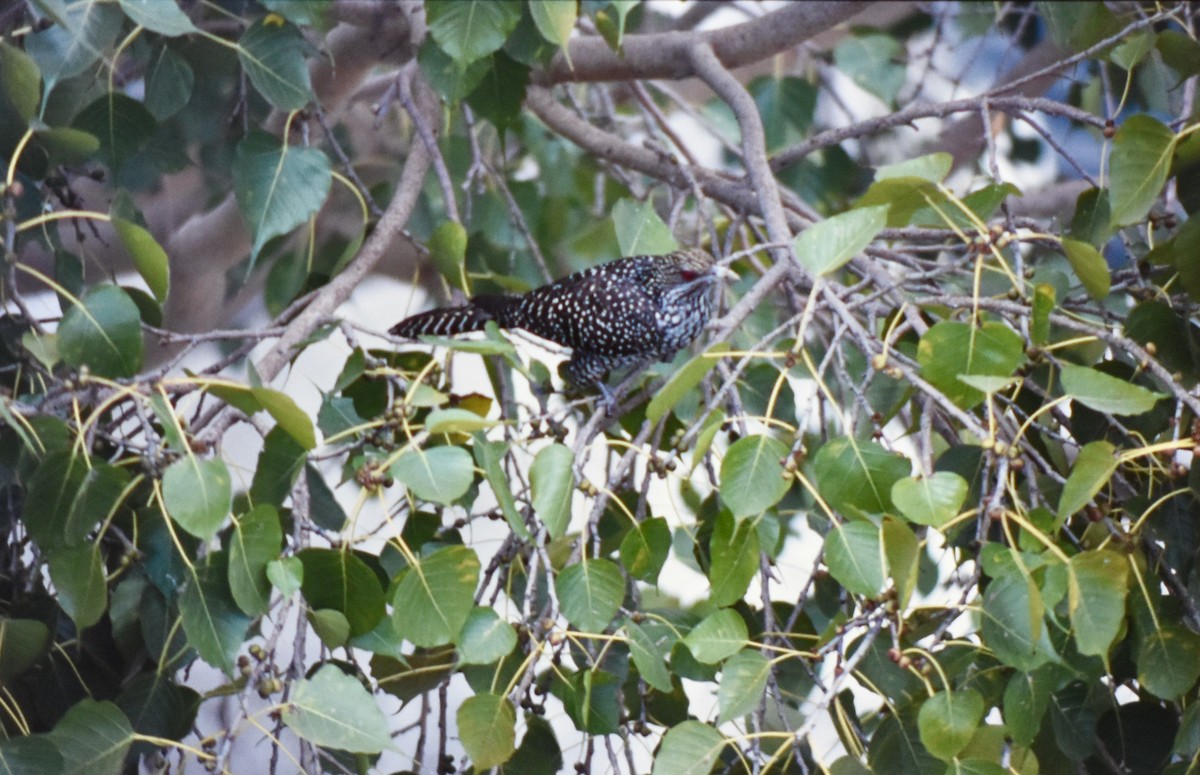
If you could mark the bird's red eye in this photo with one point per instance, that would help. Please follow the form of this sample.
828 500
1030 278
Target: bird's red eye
688 275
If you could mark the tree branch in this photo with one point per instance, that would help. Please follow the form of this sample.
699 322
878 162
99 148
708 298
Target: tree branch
754 145
390 225
665 55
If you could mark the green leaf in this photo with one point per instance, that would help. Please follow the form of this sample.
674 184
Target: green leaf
1093 469
683 381
1168 661
22 643
1091 222
441 474
485 638
120 123
932 500
272 52
1133 49
854 554
752 478
830 244
590 592
960 766
903 553
103 332
948 720
874 62
555 20
501 92
734 549
448 78
55 486
256 540
169 83
553 484
719 635
848 765
1043 305
1090 267
336 579
333 710
593 703
83 33
212 622
488 455
908 199
331 627
933 167
93 738
1026 698
708 432
616 36
448 249
852 474
20 81
952 348
101 492
337 417
435 597
487 728
468 30
148 256
1179 52
291 418
198 494
1104 393
688 748
286 575
644 549
278 187
279 464
539 752
78 576
1138 167
640 232
1012 621
786 105
647 659
896 749
743 681
1098 582
32 754
986 384
161 16
456 420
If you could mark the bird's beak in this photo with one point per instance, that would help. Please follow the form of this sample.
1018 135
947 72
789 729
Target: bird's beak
725 273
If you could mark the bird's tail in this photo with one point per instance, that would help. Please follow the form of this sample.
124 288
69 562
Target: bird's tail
452 321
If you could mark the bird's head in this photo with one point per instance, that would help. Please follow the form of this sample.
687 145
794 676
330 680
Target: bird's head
697 266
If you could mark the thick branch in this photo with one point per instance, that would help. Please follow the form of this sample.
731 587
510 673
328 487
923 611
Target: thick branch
665 55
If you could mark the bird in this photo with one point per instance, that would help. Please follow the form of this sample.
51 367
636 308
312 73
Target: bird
627 312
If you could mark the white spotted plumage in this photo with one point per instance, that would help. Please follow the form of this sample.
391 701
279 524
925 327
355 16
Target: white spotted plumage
614 315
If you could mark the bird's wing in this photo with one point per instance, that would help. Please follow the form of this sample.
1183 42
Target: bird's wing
592 313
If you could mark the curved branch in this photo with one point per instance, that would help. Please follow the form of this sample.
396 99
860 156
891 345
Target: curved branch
754 144
389 227
665 55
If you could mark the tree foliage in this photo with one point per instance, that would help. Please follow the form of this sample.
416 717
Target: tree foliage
922 501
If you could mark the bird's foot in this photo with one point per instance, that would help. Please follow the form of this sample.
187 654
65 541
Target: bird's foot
609 398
